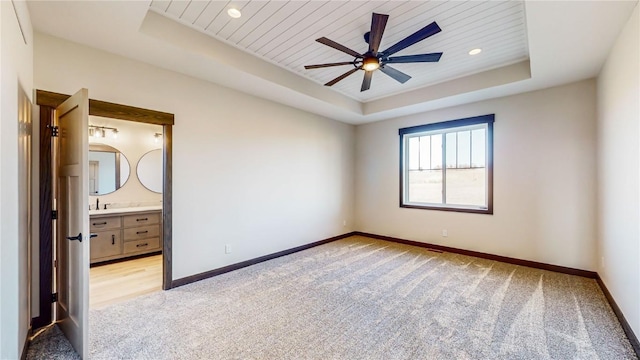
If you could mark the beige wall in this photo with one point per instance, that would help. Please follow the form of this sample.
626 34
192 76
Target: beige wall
619 172
16 75
544 180
248 172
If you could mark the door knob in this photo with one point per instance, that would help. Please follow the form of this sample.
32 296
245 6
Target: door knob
79 237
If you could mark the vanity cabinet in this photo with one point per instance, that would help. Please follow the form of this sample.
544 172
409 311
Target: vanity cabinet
107 244
120 235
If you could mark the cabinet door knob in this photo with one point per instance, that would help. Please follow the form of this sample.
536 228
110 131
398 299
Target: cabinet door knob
143 219
113 239
142 232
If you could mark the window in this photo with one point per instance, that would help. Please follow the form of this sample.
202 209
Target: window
448 165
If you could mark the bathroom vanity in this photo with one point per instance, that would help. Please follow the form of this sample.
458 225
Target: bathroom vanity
126 232
125 172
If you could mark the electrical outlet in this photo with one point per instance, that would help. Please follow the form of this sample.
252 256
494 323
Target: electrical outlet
227 249
445 233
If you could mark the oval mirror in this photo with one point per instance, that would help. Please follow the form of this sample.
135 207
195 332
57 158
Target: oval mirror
149 170
108 169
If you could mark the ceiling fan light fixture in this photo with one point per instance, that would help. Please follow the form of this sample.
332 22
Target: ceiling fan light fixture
475 51
234 13
370 64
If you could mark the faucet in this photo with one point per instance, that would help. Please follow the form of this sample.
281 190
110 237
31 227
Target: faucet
97 203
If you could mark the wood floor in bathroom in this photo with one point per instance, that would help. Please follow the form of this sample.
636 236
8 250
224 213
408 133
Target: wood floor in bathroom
121 281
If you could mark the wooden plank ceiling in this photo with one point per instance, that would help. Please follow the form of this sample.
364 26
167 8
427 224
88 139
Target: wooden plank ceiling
283 33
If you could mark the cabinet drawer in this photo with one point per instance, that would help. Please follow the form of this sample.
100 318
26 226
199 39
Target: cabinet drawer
141 219
106 243
141 245
105 223
141 232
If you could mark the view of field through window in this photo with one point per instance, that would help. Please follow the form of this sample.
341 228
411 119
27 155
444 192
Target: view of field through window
463 182
464 187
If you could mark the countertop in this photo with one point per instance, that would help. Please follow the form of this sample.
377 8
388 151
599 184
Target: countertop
127 210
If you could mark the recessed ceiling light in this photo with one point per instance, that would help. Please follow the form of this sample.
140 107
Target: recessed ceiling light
475 51
234 13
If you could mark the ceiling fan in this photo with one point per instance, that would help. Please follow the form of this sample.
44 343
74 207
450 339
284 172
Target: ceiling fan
374 59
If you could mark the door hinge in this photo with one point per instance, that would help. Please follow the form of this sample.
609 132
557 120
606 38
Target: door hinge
54 130
54 214
54 297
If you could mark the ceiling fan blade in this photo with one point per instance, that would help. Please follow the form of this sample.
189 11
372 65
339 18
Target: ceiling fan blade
396 74
366 81
335 45
433 57
378 23
334 81
328 65
417 36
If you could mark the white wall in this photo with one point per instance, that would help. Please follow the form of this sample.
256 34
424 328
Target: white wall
16 75
619 172
544 180
134 140
247 172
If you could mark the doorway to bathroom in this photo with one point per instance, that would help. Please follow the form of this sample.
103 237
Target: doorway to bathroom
134 233
125 208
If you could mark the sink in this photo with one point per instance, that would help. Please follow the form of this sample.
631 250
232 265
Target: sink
125 210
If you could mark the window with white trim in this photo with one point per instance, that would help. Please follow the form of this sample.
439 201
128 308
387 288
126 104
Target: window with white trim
448 165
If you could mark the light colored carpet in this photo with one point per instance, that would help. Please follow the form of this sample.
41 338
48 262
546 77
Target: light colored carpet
361 298
49 343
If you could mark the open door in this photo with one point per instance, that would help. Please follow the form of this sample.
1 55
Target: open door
72 119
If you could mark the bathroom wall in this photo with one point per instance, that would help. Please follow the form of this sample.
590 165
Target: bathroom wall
134 140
